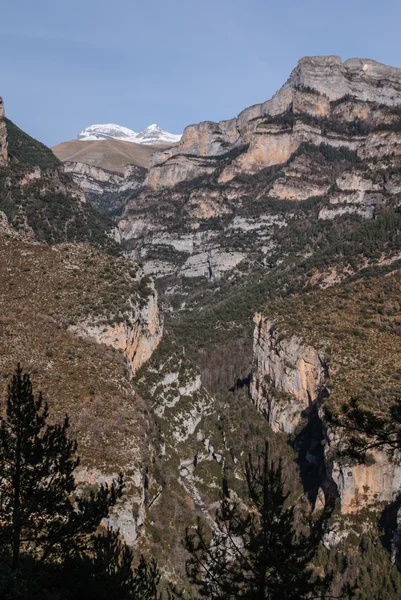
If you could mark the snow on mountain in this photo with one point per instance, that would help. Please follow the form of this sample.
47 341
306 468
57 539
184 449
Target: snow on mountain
155 135
150 135
108 131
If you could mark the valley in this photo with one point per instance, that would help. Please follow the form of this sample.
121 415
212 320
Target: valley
185 303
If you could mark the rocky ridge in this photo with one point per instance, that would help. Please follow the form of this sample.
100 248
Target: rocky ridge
315 87
3 136
327 136
106 190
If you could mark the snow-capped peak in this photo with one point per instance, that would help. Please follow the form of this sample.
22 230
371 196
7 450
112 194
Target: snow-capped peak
108 131
150 135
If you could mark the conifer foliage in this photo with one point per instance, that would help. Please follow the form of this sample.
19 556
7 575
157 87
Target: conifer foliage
256 552
49 532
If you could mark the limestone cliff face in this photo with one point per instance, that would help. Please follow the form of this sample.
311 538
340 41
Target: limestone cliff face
363 78
178 168
137 337
130 513
314 88
104 188
3 136
359 485
287 376
328 135
288 379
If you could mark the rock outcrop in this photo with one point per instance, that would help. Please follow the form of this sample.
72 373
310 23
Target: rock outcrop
359 485
106 190
137 336
289 378
3 136
316 87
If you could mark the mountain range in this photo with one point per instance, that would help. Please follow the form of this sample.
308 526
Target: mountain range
240 285
152 134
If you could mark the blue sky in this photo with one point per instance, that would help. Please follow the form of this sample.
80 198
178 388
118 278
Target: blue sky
67 65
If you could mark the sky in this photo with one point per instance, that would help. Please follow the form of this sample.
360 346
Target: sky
67 65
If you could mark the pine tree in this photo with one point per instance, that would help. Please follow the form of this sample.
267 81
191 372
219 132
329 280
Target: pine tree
37 461
255 552
49 533
367 429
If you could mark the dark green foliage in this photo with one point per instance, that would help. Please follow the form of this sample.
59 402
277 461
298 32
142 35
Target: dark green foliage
364 566
357 127
111 574
54 216
367 429
329 153
46 526
28 151
37 462
395 125
257 553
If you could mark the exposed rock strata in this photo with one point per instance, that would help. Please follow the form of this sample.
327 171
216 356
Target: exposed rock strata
288 378
138 336
315 88
104 188
3 136
322 137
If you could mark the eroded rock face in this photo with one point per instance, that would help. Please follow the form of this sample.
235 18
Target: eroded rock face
137 337
130 513
314 88
3 136
104 188
288 378
361 485
177 169
363 78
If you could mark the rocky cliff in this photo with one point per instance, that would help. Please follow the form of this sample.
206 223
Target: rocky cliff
292 379
319 87
288 376
106 190
137 336
328 144
3 136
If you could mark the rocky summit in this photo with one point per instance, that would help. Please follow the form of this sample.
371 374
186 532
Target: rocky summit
242 285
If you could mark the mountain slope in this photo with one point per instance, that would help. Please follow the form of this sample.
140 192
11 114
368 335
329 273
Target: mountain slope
25 149
107 154
41 199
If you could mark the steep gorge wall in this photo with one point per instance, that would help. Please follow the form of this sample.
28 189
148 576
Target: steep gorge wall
287 376
96 181
3 136
137 337
288 380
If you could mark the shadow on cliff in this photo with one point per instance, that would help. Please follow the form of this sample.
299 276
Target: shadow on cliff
309 445
388 523
241 384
